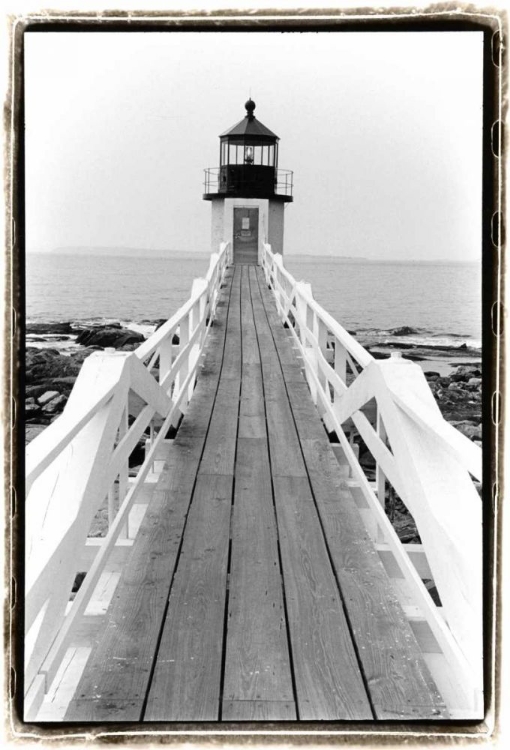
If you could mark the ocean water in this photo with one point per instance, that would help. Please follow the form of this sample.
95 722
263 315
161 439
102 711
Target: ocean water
441 302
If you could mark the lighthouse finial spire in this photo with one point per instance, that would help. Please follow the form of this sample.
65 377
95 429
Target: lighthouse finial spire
250 107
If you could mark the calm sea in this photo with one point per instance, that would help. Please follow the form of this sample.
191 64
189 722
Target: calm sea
442 301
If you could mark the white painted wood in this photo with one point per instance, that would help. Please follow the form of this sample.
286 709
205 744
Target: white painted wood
64 636
453 441
69 496
380 477
145 386
445 505
46 446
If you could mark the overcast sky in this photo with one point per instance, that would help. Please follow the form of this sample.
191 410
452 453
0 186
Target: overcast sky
382 130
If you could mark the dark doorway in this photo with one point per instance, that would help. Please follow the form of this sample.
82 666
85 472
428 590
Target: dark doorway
246 235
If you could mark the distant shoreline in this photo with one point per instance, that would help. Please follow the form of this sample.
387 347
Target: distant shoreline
201 255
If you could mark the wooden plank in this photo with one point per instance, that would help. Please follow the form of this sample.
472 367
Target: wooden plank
257 665
231 368
220 446
306 416
86 710
252 416
326 670
286 458
187 676
249 339
398 679
258 711
219 451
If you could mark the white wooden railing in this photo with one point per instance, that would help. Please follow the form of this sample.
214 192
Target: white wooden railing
429 464
82 458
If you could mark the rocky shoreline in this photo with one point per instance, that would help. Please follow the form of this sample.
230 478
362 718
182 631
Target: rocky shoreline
55 353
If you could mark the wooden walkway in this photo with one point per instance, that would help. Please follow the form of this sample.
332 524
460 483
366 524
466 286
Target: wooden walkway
252 591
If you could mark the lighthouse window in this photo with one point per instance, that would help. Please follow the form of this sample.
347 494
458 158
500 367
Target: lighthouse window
235 154
257 156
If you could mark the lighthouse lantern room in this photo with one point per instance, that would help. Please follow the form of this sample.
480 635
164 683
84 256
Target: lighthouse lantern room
248 192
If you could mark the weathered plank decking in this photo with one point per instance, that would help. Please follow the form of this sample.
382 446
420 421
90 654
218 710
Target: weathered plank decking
253 591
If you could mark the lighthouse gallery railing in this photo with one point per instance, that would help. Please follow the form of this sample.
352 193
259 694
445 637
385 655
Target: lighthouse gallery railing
82 458
429 464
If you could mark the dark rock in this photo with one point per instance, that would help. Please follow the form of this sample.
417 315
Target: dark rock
34 391
109 336
379 355
158 323
430 374
49 328
70 380
48 364
401 345
402 331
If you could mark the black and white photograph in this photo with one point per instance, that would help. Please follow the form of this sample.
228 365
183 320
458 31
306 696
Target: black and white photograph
253 376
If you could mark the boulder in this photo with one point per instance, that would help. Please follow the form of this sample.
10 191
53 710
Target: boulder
47 397
56 405
475 381
49 366
109 336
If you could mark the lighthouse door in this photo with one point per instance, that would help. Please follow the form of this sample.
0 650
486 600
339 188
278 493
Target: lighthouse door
246 235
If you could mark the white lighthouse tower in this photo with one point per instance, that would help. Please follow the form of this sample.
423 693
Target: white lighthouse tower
248 192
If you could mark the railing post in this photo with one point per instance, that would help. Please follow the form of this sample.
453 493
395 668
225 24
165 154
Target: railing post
380 477
322 341
165 359
340 363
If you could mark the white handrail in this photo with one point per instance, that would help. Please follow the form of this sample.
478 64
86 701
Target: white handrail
426 459
72 466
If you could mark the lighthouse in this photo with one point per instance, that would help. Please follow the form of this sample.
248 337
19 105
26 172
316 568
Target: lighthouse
248 192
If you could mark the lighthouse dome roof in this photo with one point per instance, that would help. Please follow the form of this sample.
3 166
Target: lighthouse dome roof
250 126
